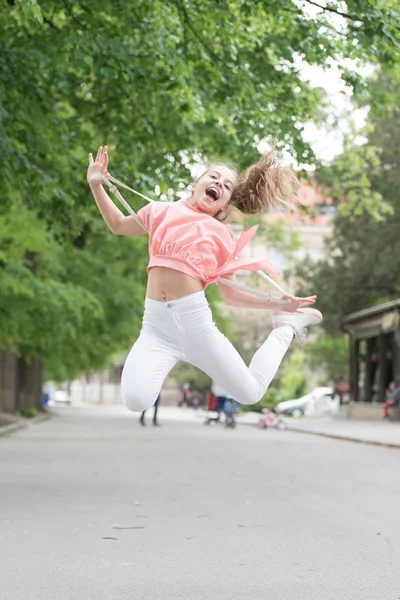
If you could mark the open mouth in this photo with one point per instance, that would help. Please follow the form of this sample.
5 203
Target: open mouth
213 193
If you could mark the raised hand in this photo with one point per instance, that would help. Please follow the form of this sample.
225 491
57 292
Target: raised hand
98 168
294 302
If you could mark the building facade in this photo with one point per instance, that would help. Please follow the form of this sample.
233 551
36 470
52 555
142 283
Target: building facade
374 336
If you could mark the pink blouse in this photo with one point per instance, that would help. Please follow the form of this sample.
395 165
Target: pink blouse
188 240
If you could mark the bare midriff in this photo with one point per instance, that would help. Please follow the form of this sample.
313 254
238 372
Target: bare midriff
165 284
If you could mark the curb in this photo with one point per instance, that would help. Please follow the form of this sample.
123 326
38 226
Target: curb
347 438
22 423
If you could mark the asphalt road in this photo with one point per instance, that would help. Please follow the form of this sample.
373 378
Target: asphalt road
94 507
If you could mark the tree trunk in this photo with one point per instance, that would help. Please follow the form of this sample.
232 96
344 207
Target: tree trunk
8 381
30 384
20 383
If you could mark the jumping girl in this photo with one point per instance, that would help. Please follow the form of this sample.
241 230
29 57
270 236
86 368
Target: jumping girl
190 247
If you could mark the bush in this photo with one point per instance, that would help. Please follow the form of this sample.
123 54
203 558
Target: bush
29 413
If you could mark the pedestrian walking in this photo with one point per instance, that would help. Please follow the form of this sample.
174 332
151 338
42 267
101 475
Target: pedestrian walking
220 396
393 398
185 396
155 420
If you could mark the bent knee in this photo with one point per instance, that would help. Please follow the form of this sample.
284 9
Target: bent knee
137 400
250 395
250 399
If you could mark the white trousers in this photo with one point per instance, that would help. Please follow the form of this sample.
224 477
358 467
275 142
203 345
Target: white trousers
184 330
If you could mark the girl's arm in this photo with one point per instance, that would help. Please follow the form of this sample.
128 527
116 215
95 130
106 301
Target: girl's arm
235 297
117 222
115 219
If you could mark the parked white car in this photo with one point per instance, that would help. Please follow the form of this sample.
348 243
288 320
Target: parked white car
54 395
321 401
62 397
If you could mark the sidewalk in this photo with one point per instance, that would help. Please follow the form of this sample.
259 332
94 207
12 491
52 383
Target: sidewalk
379 433
11 423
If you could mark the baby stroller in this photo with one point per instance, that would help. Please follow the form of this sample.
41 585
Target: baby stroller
212 414
230 409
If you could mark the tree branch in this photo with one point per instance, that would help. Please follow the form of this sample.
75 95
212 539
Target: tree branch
85 8
71 14
186 19
333 10
338 12
45 20
50 23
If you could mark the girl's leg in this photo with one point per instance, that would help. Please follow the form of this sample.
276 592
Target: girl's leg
214 354
148 364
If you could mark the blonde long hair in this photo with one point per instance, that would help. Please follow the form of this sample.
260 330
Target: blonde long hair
264 185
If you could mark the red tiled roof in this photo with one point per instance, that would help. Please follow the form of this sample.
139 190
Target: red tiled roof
305 211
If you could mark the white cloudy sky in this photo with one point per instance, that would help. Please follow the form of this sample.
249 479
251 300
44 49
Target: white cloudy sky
342 116
327 142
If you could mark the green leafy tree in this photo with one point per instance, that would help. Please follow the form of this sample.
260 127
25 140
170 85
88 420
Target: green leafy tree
349 182
294 379
328 355
164 84
361 267
70 308
158 79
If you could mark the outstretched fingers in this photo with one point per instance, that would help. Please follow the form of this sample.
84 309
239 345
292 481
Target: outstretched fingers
300 301
99 155
308 300
104 161
101 158
304 304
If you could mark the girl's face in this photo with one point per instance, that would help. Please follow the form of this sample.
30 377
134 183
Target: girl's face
213 191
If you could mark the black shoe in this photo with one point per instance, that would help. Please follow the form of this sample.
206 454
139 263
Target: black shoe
141 421
156 424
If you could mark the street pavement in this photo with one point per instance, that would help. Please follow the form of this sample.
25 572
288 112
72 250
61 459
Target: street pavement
92 506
